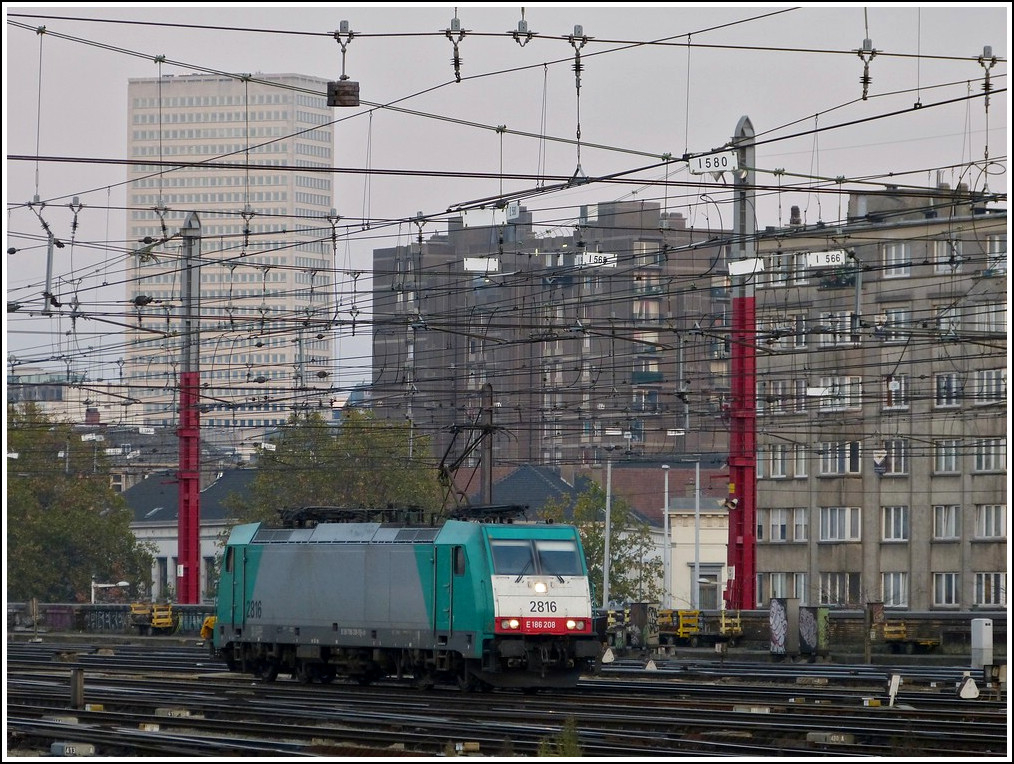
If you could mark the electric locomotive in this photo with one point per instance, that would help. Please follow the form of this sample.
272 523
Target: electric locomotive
478 604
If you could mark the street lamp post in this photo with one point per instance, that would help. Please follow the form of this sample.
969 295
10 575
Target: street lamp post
117 585
605 546
666 545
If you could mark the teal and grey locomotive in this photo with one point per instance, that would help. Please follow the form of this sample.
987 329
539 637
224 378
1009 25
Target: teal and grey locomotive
479 604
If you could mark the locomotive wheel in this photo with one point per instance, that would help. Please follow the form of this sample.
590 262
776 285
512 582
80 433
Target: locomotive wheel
466 681
268 671
326 676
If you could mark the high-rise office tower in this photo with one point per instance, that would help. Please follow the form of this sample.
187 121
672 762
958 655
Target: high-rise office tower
252 158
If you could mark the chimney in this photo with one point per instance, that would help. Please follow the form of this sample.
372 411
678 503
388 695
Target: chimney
794 218
92 416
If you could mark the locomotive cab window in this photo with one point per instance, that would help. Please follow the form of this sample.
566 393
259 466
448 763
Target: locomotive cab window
459 561
512 558
558 558
229 559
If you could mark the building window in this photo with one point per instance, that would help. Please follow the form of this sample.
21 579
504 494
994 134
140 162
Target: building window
841 393
896 391
799 588
990 521
779 585
948 390
840 457
894 589
897 260
840 524
799 454
946 255
898 324
987 317
990 454
990 386
779 460
946 522
945 456
948 320
835 328
945 589
840 588
991 589
996 254
895 523
800 523
896 462
800 395
779 525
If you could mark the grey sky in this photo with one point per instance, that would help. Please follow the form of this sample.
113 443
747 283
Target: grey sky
790 69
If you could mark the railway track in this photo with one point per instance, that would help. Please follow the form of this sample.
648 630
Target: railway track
175 700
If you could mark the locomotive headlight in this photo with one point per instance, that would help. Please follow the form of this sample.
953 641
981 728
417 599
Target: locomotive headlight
510 623
540 587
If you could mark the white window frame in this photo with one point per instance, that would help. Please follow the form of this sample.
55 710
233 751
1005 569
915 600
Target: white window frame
839 328
896 392
839 524
894 589
897 260
946 589
991 589
947 456
947 256
841 457
986 317
779 453
894 523
996 253
947 390
990 386
990 454
840 588
898 325
896 462
778 522
843 393
948 320
799 587
800 523
991 521
800 458
946 522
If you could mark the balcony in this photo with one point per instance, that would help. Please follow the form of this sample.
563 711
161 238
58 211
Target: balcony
646 377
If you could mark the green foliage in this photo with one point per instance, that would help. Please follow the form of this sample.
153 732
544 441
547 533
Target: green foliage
566 744
635 568
365 462
65 524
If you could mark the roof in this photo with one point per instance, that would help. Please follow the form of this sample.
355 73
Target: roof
156 498
530 486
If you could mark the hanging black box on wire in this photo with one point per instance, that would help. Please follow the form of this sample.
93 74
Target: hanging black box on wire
343 93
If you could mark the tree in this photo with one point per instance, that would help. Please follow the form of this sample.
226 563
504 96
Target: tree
363 462
635 570
65 524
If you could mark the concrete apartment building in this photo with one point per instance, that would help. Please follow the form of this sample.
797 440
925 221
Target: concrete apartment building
242 154
882 406
596 343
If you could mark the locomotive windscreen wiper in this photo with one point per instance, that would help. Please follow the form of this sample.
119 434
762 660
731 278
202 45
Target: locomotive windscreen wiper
523 571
